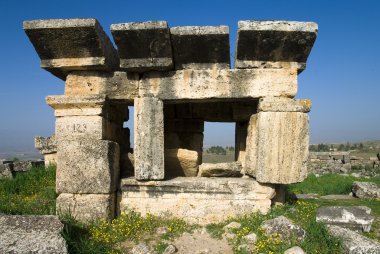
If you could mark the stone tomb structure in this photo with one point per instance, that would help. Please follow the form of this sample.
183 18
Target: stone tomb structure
176 78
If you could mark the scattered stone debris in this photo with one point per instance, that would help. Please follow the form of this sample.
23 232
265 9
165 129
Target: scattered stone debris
366 190
8 169
356 218
31 234
295 250
141 248
354 243
283 228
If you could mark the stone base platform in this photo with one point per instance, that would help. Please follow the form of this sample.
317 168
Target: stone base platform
197 200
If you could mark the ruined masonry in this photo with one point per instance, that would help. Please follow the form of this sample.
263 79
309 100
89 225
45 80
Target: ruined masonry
176 78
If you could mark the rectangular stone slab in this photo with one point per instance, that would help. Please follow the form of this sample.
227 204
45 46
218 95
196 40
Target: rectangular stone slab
200 47
198 200
282 104
209 85
87 207
149 139
65 45
277 44
143 46
87 166
277 147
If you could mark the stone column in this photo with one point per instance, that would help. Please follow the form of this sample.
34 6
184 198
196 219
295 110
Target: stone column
278 141
149 139
87 132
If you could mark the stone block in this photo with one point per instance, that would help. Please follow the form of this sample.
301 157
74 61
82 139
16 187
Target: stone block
87 166
285 229
208 85
143 46
22 166
282 104
115 85
356 218
274 44
45 145
226 169
149 139
65 45
354 243
181 162
6 171
31 234
198 200
200 47
87 207
92 127
50 159
277 147
367 190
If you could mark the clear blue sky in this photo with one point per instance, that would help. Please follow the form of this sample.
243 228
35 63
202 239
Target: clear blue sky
342 77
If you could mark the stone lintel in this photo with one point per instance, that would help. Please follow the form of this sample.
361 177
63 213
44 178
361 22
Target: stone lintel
263 44
143 46
282 104
211 85
196 199
64 45
200 47
149 139
87 207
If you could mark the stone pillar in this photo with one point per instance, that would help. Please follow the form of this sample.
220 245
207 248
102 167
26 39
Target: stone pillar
87 131
149 139
278 141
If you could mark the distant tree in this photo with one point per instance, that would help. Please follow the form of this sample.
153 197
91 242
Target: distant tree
217 150
312 148
347 148
341 147
361 146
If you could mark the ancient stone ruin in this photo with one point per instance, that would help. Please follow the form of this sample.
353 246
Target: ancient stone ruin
176 79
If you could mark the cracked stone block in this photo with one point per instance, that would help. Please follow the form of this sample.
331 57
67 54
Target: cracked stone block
149 138
181 162
277 147
143 46
200 47
87 207
65 45
87 166
274 44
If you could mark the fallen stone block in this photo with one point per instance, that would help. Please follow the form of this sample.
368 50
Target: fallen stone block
356 218
274 44
149 139
87 166
200 47
143 46
366 190
31 234
87 207
354 243
277 147
22 166
198 200
284 229
181 162
227 169
65 45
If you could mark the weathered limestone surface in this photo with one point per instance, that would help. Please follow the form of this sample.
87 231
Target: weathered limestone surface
149 139
366 190
181 162
219 84
274 44
277 147
281 104
196 199
64 45
143 46
45 145
284 228
87 166
354 243
116 85
31 234
356 218
200 47
226 169
87 207
6 171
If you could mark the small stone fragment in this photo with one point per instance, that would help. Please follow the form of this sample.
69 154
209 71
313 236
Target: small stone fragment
141 248
251 238
283 228
232 225
170 249
295 250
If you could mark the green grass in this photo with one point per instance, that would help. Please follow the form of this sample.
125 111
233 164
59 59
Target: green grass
328 184
31 192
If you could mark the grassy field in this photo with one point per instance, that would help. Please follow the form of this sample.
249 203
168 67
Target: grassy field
33 192
215 158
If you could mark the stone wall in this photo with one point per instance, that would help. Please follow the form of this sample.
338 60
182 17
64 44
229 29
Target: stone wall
176 78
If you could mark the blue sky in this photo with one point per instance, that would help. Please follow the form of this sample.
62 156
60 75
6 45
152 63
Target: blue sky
342 77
